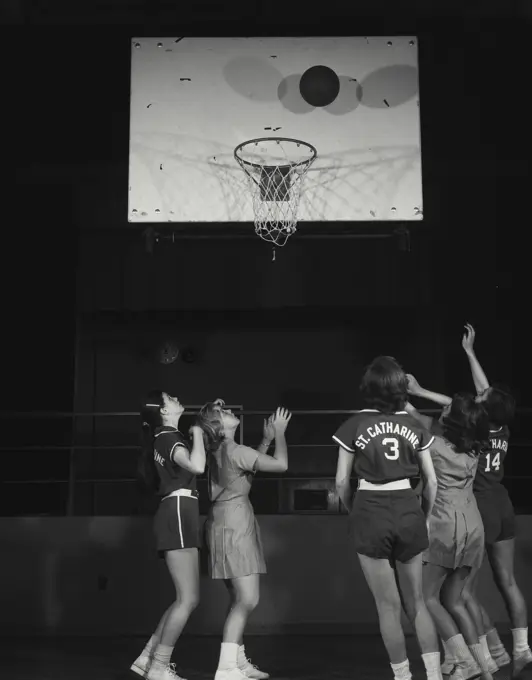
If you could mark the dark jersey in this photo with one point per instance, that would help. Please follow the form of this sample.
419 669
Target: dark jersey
171 475
490 471
386 446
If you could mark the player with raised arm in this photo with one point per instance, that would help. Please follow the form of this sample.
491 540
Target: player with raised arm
233 535
387 447
498 514
168 465
456 537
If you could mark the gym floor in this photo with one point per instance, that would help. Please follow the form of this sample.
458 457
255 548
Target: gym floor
334 657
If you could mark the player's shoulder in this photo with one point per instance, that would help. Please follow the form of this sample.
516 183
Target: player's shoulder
405 418
425 437
366 414
363 417
170 436
357 417
241 448
502 432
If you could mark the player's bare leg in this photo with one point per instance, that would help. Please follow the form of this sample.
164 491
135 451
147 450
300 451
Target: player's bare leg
410 584
501 557
463 665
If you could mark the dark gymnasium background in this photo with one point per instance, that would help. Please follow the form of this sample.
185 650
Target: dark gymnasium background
73 269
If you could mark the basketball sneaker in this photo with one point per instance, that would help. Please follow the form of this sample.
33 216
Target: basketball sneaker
230 674
522 661
447 667
501 658
464 670
159 672
249 669
492 665
141 665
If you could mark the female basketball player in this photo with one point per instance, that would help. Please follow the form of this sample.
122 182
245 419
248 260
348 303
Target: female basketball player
169 467
497 515
387 447
232 532
456 545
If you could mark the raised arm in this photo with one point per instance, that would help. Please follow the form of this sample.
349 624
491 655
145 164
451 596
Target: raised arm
426 421
415 389
268 435
279 461
479 377
193 461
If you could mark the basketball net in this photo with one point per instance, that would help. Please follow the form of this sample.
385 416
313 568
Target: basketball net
275 168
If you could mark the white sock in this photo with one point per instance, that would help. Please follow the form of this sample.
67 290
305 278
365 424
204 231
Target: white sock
494 642
485 647
478 654
459 649
163 654
449 656
520 636
228 656
401 671
432 665
150 646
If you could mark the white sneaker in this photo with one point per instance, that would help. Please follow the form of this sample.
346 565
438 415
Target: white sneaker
465 671
230 674
158 672
501 659
140 666
447 667
492 665
522 661
252 671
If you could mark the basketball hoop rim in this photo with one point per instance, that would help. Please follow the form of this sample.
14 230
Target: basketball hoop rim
277 165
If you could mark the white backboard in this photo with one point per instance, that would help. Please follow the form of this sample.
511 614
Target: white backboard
193 100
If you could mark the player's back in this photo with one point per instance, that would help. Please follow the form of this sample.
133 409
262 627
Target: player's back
455 472
490 472
171 475
386 446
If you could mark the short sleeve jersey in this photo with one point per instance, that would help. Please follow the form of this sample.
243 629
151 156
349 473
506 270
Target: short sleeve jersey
386 445
171 475
231 471
490 471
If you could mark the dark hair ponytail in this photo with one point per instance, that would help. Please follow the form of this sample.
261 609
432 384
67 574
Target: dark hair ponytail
151 420
466 425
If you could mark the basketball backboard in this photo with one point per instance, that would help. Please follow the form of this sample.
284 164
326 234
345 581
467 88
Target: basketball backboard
193 100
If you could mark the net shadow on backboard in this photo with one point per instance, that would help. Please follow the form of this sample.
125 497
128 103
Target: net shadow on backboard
360 181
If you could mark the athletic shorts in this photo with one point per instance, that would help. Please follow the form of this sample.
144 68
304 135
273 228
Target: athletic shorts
388 525
176 524
497 514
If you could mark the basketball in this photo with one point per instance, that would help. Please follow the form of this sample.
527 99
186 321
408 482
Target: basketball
319 86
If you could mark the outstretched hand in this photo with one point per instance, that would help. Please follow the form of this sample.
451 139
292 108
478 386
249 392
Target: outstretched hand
468 339
412 387
268 431
280 420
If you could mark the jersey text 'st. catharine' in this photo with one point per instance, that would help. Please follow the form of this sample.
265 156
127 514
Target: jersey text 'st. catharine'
386 446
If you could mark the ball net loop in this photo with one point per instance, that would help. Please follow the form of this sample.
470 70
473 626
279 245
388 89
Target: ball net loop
275 168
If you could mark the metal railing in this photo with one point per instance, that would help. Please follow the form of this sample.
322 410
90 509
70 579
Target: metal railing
74 448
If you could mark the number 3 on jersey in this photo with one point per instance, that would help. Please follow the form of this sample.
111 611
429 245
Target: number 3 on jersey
493 463
392 450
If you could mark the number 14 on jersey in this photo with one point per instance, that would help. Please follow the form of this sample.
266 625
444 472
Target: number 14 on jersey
493 463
